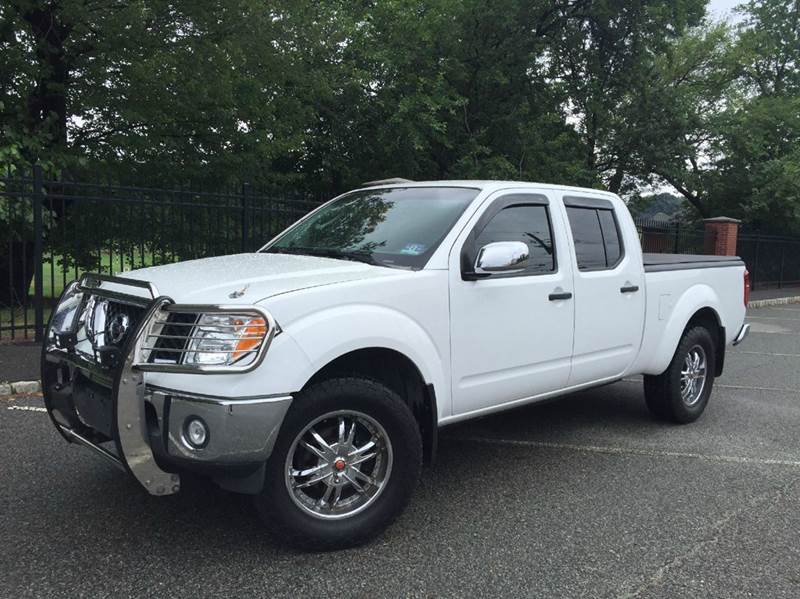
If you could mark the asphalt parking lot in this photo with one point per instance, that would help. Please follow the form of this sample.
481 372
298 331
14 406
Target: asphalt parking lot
583 497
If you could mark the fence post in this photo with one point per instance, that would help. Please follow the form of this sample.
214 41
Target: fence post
677 236
754 276
721 235
245 218
38 279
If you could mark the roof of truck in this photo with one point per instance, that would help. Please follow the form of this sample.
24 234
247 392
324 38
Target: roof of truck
489 185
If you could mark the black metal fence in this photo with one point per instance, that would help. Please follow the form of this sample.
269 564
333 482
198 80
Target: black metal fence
668 237
773 261
52 231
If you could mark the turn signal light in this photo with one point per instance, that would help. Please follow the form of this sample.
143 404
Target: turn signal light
255 329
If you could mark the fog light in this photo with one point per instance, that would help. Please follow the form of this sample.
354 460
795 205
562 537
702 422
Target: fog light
196 433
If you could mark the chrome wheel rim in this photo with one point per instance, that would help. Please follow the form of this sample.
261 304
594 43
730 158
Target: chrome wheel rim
693 375
338 465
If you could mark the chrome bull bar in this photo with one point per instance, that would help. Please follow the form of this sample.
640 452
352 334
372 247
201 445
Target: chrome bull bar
129 433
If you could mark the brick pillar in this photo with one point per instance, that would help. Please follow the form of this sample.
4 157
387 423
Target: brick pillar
721 234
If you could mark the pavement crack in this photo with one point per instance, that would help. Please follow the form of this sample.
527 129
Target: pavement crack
714 533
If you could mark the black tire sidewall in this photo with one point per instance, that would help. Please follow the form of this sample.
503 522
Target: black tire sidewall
680 411
299 528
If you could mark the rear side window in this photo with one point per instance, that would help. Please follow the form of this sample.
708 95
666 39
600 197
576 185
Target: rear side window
611 240
529 224
598 244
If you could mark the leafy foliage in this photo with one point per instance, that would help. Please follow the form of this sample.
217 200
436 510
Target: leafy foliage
322 96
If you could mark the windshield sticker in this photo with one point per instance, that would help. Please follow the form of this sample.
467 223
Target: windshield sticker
413 249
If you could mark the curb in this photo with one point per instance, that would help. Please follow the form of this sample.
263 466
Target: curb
776 301
20 388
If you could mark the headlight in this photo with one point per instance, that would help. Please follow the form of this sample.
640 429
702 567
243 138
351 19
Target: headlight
66 312
225 339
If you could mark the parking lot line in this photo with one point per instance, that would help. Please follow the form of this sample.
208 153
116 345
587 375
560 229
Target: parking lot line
765 353
757 317
740 387
748 388
637 451
787 332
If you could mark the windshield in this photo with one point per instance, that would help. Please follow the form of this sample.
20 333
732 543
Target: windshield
397 227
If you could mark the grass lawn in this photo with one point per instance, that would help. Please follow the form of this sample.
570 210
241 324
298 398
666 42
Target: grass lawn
54 280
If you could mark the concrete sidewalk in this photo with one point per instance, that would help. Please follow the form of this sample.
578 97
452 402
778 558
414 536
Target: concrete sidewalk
762 294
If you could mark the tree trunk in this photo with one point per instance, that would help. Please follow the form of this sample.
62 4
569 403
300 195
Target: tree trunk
46 114
47 102
16 272
616 180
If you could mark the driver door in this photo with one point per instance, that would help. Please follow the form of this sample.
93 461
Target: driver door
511 333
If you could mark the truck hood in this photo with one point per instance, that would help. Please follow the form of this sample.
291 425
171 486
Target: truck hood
250 277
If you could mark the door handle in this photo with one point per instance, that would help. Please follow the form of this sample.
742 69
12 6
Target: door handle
629 289
555 297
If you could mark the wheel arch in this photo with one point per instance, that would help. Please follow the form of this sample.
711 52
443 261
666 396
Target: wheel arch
708 318
699 304
399 373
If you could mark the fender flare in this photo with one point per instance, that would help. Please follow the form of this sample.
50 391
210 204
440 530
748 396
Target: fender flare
329 334
694 299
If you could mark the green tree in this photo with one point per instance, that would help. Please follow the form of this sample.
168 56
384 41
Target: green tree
718 118
759 168
600 58
676 113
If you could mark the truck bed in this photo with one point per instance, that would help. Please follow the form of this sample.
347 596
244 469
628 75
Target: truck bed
664 262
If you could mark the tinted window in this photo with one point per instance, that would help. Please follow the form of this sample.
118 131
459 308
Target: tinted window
611 240
596 237
391 227
528 224
588 238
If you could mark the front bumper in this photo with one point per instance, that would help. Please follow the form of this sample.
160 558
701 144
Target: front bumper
240 430
105 404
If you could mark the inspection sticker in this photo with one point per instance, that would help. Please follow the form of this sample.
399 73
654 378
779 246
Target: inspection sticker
414 249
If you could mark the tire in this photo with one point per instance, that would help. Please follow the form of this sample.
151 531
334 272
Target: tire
663 393
296 509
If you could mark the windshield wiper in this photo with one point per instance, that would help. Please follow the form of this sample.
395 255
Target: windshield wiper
355 256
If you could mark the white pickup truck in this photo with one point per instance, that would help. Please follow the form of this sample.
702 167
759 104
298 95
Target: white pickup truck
316 372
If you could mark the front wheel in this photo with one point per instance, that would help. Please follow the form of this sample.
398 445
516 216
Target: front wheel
345 464
681 392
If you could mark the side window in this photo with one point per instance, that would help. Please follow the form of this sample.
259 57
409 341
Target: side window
587 237
596 235
611 240
529 224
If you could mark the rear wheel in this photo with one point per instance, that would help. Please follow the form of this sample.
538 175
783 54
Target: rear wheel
344 466
681 392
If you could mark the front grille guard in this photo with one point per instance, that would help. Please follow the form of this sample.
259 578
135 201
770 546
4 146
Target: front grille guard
129 427
129 432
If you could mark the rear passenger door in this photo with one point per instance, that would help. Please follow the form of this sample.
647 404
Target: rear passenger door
609 289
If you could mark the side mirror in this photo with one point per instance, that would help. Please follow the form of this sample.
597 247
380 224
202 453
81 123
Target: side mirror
502 257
